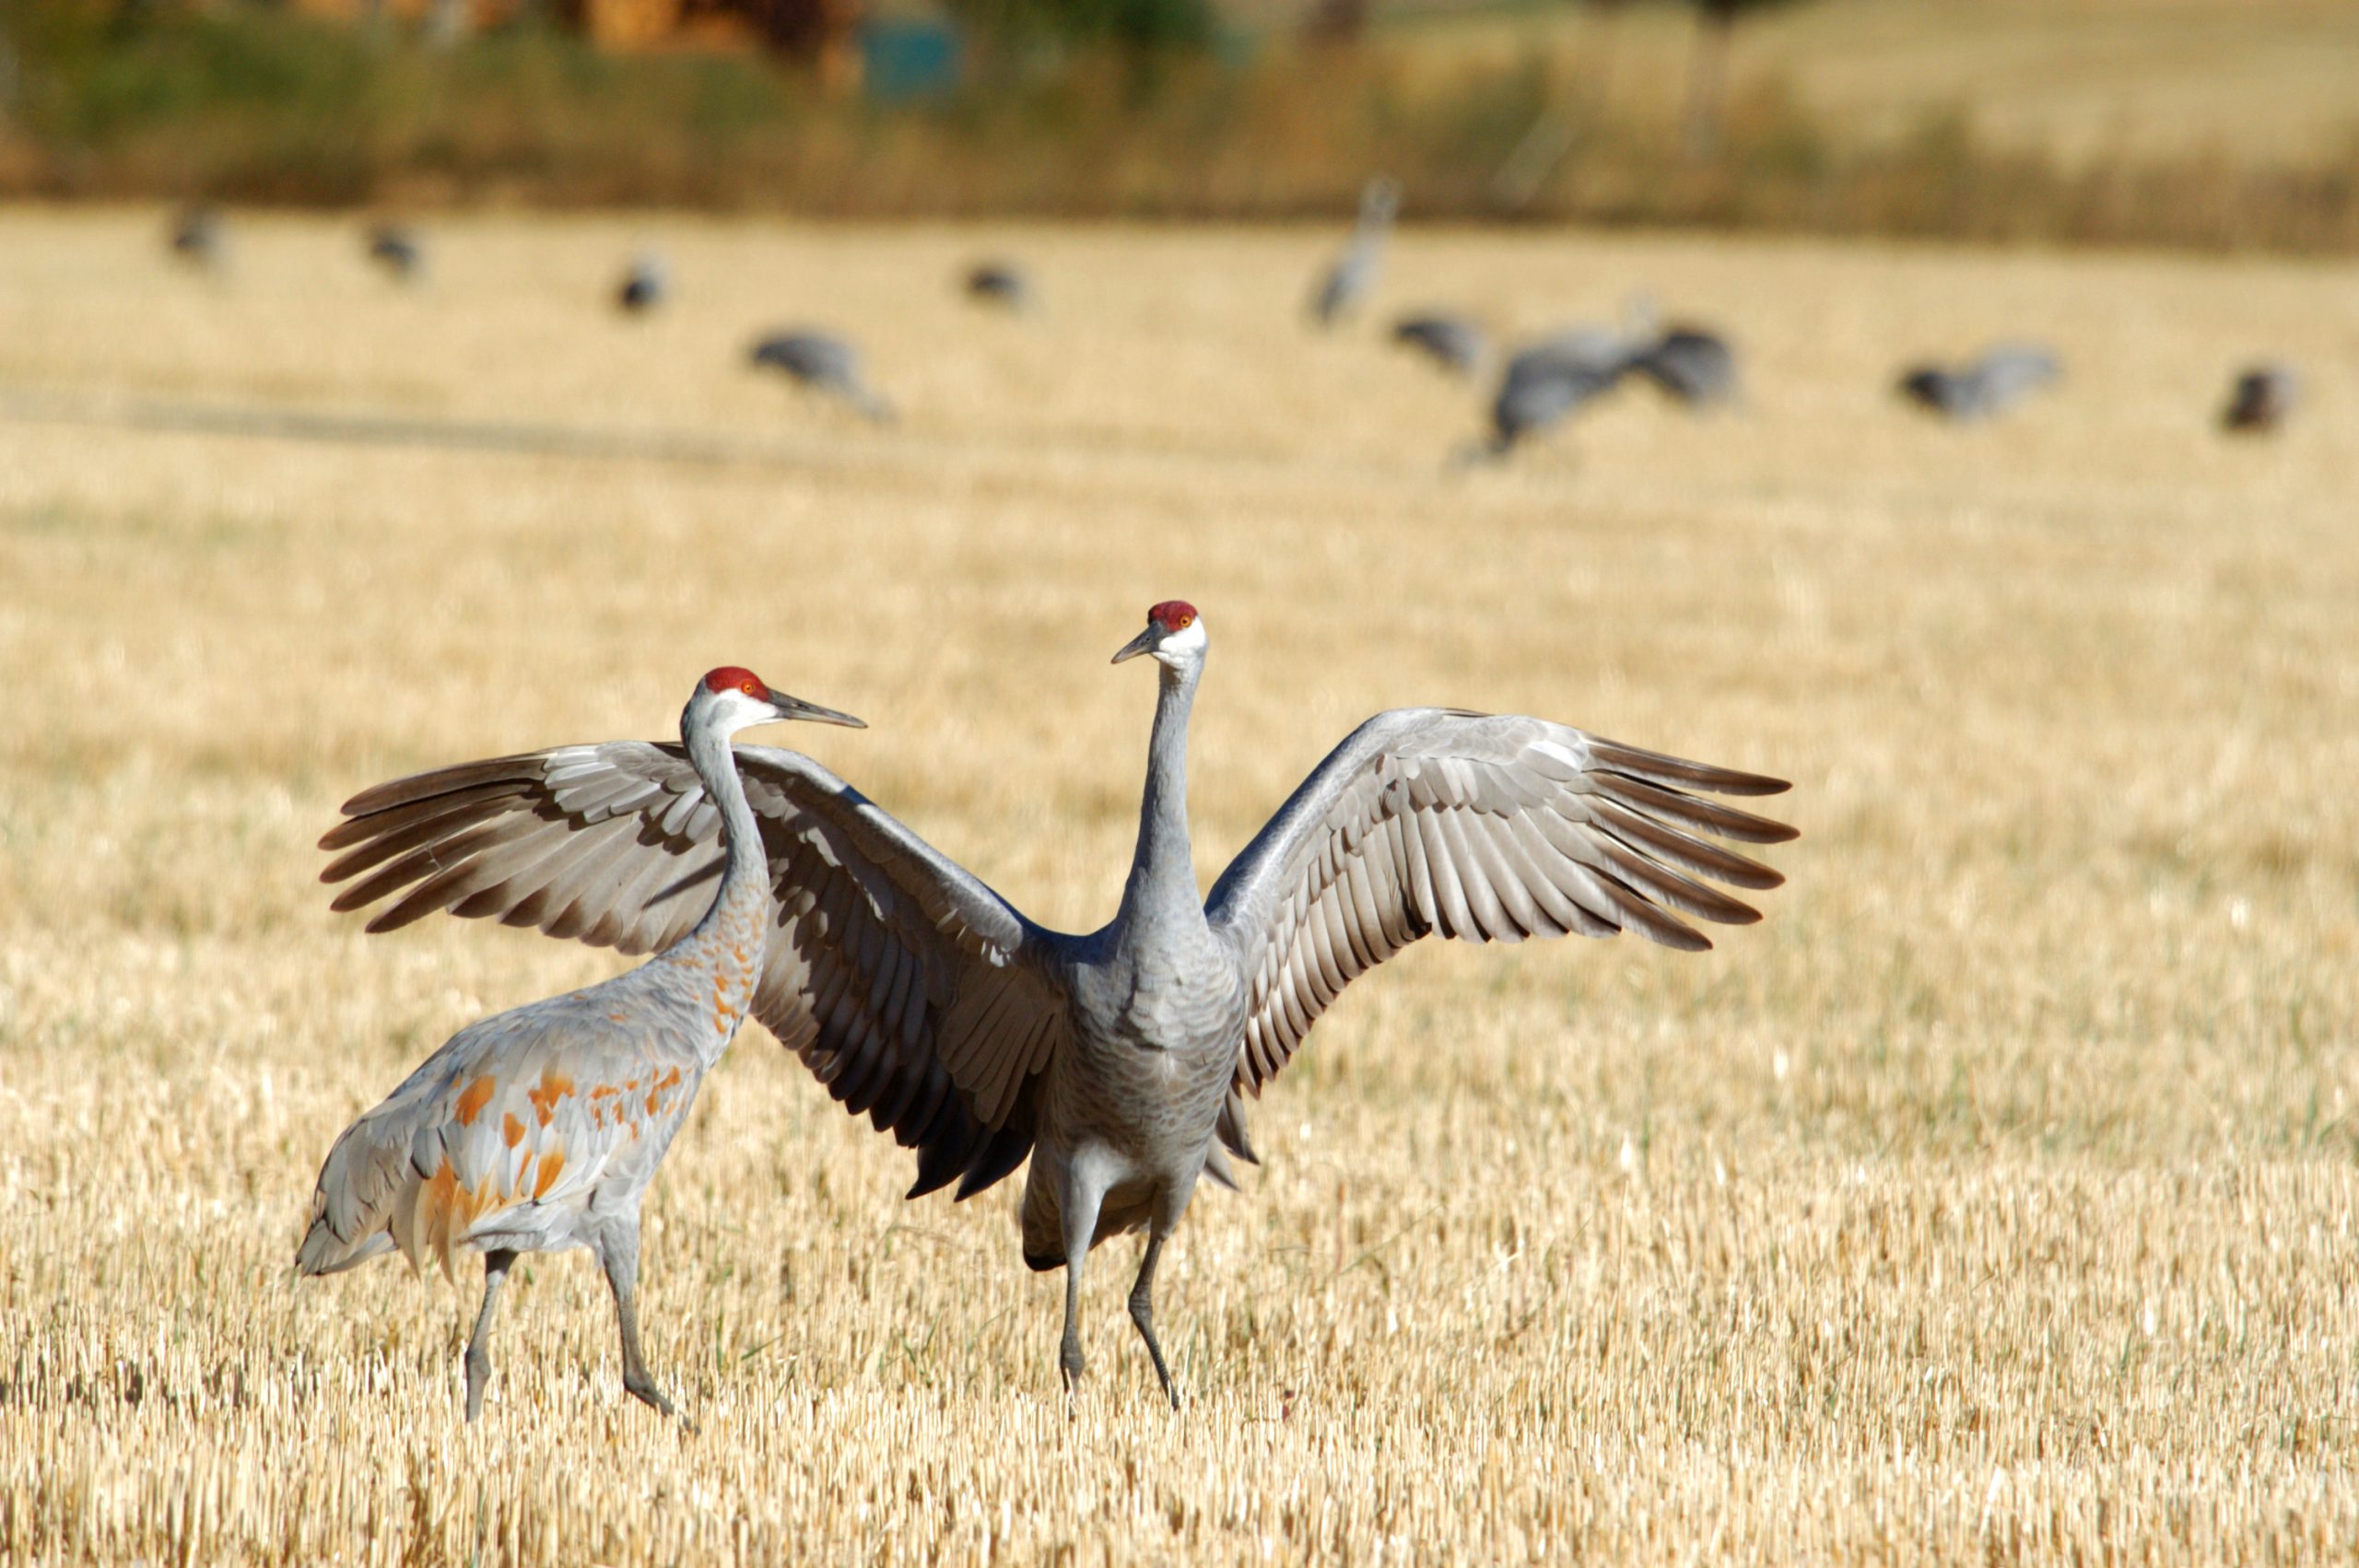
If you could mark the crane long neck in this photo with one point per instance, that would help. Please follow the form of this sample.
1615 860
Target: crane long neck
1163 867
745 891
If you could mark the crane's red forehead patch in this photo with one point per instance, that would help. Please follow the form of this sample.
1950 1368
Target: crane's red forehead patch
734 677
1173 615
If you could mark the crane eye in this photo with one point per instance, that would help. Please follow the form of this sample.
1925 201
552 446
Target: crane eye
747 688
1185 622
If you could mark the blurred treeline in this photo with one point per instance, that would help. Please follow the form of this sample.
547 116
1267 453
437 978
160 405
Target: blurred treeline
1130 108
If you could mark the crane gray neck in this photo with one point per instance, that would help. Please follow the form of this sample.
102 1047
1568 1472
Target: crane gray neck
1162 886
744 878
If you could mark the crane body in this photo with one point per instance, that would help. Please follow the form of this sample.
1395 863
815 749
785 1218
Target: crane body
540 1129
2261 399
1352 276
825 363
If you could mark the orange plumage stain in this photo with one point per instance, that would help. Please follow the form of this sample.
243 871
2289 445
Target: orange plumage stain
439 1218
510 1129
551 1163
473 1099
554 1086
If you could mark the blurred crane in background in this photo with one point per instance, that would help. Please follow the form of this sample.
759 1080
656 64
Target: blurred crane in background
400 250
1347 281
825 363
1458 343
645 286
2261 399
1000 283
199 238
1985 387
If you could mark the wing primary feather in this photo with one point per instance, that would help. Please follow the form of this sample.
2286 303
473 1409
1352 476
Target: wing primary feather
1692 810
1647 836
372 839
416 786
429 861
1675 770
1001 1153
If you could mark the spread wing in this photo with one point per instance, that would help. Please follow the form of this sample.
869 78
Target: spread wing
914 992
1491 828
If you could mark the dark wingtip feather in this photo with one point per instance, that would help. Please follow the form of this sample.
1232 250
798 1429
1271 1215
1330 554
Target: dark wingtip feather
1008 1148
1666 768
1691 811
945 1153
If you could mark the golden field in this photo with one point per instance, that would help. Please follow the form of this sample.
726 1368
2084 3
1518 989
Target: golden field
2252 80
1994 1199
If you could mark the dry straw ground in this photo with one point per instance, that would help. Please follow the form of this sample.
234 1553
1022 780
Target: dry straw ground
1995 1197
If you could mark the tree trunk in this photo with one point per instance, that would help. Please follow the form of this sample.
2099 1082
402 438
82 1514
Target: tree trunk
1708 73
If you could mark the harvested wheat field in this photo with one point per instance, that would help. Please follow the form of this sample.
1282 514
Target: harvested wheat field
1994 1197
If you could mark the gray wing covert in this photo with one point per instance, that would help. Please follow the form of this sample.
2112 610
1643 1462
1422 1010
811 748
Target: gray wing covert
1489 828
916 994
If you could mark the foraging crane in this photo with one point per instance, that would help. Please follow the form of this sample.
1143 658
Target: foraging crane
825 363
1455 342
2001 379
1118 1061
539 1128
1003 284
1353 274
2263 398
1692 365
398 249
1548 381
645 286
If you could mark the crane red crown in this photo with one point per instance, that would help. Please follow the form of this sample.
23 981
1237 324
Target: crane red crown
733 677
1173 615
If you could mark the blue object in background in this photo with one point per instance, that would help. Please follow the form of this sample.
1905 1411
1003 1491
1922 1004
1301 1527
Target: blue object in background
903 58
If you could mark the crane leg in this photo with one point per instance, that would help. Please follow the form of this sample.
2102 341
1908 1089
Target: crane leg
1084 1190
621 1256
495 1274
1142 1309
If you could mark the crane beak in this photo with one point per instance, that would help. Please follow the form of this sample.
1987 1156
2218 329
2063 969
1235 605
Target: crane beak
811 712
1142 643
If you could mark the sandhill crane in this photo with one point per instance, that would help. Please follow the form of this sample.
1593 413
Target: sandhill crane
1353 274
399 249
646 286
2261 399
539 1128
1990 385
1118 1061
1455 342
1547 381
1003 284
825 363
1692 365
198 239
